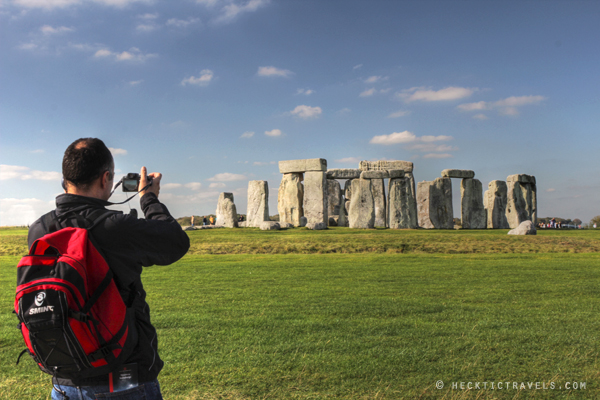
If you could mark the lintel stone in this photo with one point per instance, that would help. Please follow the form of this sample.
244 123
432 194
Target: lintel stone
458 173
343 173
311 164
386 165
374 175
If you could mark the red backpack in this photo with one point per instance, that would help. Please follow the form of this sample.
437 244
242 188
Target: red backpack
73 318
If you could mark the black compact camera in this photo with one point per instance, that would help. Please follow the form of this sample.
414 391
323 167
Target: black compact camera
131 182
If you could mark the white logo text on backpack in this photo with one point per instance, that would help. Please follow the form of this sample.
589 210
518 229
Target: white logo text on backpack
39 300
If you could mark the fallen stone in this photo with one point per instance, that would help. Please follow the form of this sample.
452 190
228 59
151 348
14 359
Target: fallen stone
374 175
495 204
312 164
458 173
269 226
315 197
242 224
286 225
333 221
258 203
379 201
190 228
402 205
521 178
290 199
524 228
334 197
303 221
343 173
226 212
434 202
473 214
386 165
361 214
316 226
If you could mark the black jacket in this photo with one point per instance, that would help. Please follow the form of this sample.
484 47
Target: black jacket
128 244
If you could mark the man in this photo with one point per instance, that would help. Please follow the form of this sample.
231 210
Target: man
128 244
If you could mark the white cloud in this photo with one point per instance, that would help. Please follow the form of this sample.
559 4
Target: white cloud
148 16
217 185
431 147
146 27
168 186
206 76
193 185
480 105
306 92
38 151
274 132
227 177
372 91
19 212
51 4
117 152
133 55
398 114
349 160
135 83
506 106
25 173
272 71
259 163
231 11
247 135
481 117
368 92
394 138
550 190
182 23
359 66
375 79
434 155
344 111
49 30
306 112
28 46
425 94
429 138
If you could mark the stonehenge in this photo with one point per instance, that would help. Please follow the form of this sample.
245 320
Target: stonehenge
312 196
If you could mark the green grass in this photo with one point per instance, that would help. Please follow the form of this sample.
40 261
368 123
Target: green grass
350 241
360 326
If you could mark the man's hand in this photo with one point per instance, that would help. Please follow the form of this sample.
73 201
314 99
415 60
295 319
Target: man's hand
155 187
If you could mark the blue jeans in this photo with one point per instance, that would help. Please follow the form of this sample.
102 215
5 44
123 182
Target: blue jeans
145 391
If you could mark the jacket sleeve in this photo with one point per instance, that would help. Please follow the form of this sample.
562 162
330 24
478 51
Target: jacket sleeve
156 240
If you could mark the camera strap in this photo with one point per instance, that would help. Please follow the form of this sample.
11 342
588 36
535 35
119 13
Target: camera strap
108 203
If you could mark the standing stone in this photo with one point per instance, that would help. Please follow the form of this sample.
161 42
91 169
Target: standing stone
473 214
258 203
378 190
290 199
434 201
342 219
347 195
361 214
226 212
334 197
402 205
522 199
315 197
495 204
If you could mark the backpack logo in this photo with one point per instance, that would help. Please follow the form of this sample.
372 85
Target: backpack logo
39 298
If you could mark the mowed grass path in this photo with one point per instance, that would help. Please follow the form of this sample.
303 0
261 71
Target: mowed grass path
358 326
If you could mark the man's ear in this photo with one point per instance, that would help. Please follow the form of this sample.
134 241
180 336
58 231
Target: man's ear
105 179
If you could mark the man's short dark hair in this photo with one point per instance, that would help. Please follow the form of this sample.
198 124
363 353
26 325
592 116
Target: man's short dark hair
85 160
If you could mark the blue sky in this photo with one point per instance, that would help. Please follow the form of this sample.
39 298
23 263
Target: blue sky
212 93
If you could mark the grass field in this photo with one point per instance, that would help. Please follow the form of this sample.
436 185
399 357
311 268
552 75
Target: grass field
360 315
